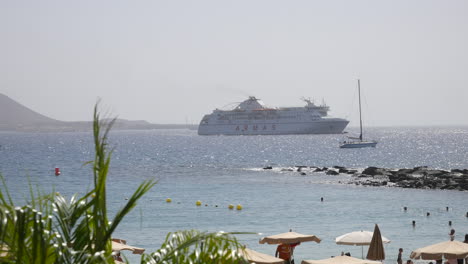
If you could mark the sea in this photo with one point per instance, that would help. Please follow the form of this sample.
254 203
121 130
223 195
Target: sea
224 170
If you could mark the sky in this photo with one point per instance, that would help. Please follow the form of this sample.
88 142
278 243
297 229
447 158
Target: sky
174 61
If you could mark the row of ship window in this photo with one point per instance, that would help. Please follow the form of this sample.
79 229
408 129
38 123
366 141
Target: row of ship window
256 117
255 127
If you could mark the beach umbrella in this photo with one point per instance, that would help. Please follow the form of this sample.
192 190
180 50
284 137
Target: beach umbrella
341 260
120 244
376 250
289 238
256 257
358 238
448 250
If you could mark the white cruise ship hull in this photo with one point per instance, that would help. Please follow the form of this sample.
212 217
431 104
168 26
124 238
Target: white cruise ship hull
321 126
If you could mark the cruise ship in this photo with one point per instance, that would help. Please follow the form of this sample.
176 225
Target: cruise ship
252 117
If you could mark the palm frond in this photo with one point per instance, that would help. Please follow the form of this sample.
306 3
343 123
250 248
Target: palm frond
198 247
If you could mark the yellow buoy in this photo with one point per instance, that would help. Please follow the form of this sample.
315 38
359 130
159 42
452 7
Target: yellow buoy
239 207
168 200
231 206
198 203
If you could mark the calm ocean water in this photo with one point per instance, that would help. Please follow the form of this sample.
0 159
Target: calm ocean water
222 170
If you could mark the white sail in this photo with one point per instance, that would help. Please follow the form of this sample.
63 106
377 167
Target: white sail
359 142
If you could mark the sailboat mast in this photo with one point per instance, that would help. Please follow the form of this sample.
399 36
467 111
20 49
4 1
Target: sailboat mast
360 116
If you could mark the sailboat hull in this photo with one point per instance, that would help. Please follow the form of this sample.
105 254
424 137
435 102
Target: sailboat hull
359 144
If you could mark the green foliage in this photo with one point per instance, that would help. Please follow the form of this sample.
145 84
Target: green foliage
197 247
52 229
25 232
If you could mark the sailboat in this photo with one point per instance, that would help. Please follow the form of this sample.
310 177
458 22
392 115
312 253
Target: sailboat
358 142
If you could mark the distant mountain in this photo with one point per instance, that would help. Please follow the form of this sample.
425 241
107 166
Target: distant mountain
13 113
17 117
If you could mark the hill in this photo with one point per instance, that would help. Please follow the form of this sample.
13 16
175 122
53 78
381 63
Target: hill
13 113
17 117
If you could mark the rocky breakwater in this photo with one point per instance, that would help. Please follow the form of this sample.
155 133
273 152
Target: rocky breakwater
417 178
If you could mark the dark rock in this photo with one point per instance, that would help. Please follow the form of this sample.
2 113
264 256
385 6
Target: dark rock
436 173
342 170
464 171
409 177
405 171
460 178
372 171
268 168
332 172
299 168
303 173
419 184
419 172
446 176
449 187
395 178
406 184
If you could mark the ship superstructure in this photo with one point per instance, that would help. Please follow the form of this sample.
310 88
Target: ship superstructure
252 117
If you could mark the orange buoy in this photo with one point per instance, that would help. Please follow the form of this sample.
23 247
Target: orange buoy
57 171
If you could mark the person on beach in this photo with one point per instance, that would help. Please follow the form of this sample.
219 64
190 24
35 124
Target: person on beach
452 234
285 251
453 261
399 259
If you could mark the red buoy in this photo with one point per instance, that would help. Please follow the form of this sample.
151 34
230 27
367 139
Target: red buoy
57 171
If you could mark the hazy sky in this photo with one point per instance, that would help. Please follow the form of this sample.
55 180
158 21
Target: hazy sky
174 61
